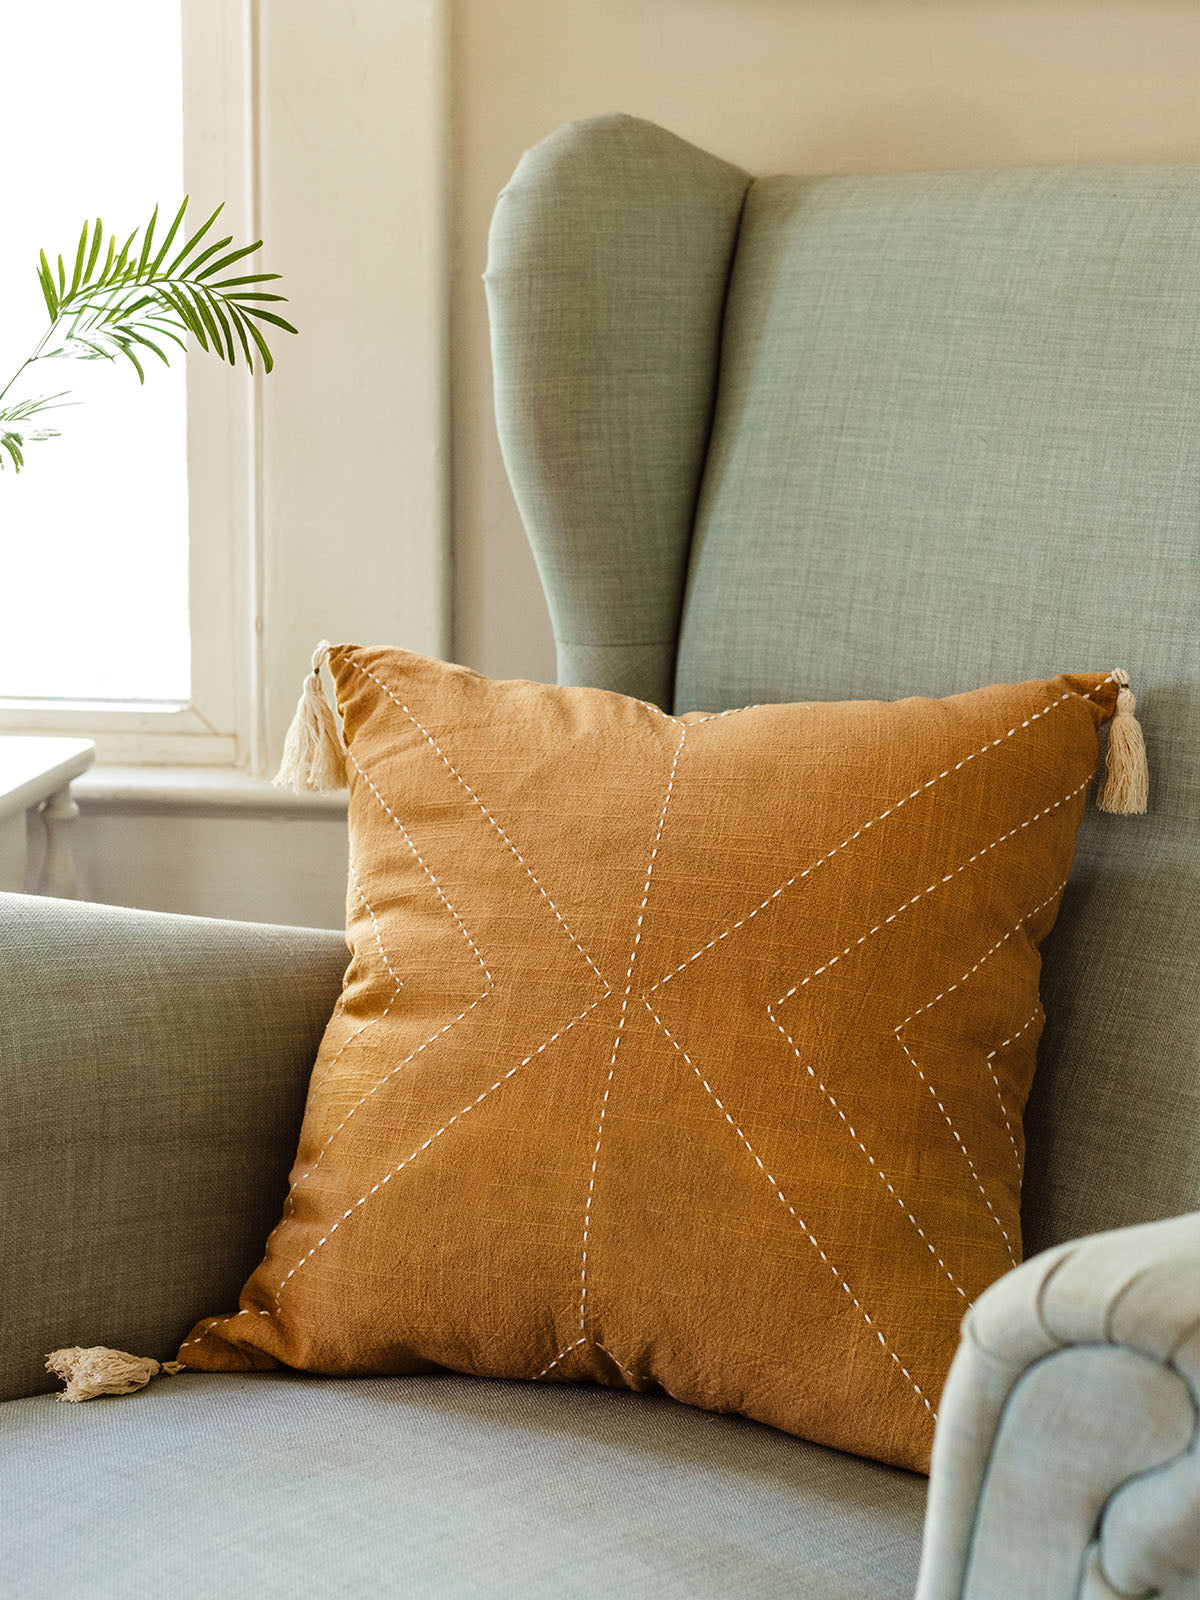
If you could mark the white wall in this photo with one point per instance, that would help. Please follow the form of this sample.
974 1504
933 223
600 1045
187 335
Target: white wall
254 865
823 86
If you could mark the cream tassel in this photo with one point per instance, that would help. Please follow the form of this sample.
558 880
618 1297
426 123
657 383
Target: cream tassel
1126 785
97 1370
313 758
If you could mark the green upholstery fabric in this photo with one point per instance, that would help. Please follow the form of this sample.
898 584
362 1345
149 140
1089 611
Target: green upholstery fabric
291 1487
152 1078
1113 1124
608 262
954 443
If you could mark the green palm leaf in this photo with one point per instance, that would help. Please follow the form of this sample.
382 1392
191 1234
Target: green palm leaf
120 298
15 433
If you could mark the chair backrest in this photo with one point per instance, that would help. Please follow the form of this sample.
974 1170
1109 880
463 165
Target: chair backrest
843 437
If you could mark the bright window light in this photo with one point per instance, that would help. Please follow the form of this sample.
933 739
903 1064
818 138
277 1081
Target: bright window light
93 531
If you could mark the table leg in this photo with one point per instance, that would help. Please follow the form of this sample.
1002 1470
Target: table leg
57 875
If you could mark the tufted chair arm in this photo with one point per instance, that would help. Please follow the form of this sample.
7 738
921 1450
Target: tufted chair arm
1067 1464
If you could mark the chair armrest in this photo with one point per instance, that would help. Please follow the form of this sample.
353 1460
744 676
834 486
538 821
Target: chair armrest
1066 1461
152 1079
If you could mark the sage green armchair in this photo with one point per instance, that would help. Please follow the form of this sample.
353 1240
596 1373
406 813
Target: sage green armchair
774 439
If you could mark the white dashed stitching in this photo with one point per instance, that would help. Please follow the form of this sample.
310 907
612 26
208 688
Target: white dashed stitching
946 878
706 716
289 1204
550 1365
797 877
937 884
991 1058
793 1212
399 1067
433 744
900 909
409 1159
371 1021
612 1066
875 1167
212 1323
617 1362
719 938
928 1004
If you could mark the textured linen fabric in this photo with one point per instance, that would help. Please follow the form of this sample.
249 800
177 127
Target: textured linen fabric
1070 1415
152 1075
439 1487
688 1051
955 430
607 266
1113 1121
955 415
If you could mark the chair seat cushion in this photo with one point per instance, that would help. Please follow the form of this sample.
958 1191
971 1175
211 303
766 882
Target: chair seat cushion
210 1484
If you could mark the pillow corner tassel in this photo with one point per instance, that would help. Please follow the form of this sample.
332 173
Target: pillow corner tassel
96 1370
1125 789
314 759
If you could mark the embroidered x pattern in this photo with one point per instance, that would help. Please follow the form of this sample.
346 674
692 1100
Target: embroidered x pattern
688 1051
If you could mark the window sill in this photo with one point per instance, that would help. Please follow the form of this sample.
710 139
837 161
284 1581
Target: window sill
129 788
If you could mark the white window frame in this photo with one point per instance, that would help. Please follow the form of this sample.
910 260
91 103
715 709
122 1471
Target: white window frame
256 592
210 728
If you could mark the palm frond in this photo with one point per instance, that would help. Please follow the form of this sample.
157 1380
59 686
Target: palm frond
15 439
120 296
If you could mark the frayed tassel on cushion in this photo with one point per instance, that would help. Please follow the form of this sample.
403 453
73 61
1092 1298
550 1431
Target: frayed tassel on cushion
1126 786
96 1370
313 757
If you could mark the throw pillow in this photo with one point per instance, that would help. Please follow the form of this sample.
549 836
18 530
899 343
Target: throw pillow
686 1051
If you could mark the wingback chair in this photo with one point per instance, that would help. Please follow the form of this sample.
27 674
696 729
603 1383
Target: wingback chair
771 439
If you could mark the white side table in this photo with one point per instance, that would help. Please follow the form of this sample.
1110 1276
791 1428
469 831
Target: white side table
36 812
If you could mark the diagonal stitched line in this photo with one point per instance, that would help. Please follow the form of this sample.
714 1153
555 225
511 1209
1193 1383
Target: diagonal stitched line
708 716
879 926
421 1048
616 1360
931 888
937 1101
896 805
212 1323
612 1066
991 1059
370 910
289 1204
791 1210
550 1365
436 886
371 1021
874 1165
445 1128
467 789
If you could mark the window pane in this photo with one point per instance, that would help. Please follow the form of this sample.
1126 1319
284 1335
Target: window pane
93 532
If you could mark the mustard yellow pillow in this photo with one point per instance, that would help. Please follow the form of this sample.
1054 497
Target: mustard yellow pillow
686 1051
